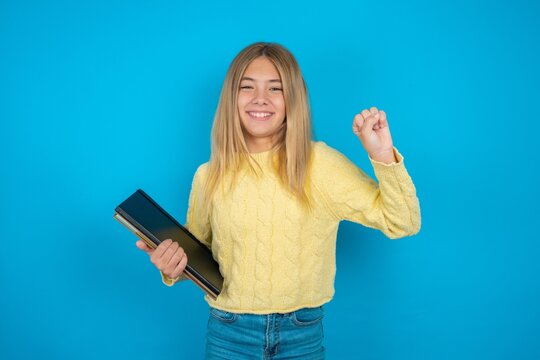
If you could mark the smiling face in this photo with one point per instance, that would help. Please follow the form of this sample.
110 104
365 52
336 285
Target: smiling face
261 105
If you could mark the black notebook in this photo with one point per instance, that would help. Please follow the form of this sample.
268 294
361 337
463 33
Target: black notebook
149 221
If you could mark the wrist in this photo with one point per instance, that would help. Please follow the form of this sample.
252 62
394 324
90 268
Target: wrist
386 156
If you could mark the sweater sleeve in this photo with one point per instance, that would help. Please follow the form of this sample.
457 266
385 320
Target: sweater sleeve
196 221
391 205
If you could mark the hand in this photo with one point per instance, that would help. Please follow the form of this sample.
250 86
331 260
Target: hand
168 257
372 129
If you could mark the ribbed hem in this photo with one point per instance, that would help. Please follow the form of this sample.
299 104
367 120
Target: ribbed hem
390 171
261 155
170 282
213 304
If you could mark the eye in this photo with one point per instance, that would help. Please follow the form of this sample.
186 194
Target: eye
246 87
274 89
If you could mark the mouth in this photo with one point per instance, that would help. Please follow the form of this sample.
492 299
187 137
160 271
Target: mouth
260 115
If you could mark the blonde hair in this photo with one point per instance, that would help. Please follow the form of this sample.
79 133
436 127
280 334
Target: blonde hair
292 147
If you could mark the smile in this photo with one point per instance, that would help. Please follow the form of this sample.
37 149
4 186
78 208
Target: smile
260 115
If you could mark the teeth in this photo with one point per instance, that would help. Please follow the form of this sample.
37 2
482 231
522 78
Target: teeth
260 114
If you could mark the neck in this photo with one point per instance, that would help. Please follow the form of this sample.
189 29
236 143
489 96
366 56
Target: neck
258 145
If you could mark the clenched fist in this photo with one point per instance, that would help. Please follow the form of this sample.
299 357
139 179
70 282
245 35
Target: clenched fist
372 129
168 257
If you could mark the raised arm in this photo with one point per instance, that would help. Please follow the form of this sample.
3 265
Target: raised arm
391 204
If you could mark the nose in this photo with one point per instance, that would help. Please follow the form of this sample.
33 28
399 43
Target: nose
259 98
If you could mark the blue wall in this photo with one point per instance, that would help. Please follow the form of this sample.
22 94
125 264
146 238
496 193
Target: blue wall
98 98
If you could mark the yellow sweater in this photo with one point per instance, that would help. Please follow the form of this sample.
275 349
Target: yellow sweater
273 255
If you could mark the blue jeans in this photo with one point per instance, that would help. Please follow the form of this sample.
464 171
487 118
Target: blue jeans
295 335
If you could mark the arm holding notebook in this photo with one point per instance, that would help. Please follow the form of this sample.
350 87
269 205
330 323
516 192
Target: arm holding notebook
169 257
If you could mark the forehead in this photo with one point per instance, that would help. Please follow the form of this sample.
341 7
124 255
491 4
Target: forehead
262 69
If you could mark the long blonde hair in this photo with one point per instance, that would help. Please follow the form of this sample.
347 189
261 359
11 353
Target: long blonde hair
292 147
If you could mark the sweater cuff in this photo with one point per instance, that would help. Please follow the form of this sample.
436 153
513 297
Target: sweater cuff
393 170
171 281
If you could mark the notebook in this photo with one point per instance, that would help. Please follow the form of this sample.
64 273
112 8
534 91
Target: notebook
150 222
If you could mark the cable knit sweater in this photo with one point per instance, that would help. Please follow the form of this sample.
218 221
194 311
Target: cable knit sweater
274 255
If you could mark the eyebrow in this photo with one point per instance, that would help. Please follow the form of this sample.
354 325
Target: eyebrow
271 80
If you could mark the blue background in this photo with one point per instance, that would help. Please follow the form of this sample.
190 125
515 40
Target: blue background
98 98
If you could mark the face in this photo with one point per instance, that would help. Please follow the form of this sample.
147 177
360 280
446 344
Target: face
261 105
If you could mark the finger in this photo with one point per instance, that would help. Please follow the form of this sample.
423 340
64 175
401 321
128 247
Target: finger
179 269
142 245
160 250
169 253
358 121
175 258
177 264
383 122
365 115
378 124
374 110
370 122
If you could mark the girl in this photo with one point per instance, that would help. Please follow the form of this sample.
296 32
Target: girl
268 205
